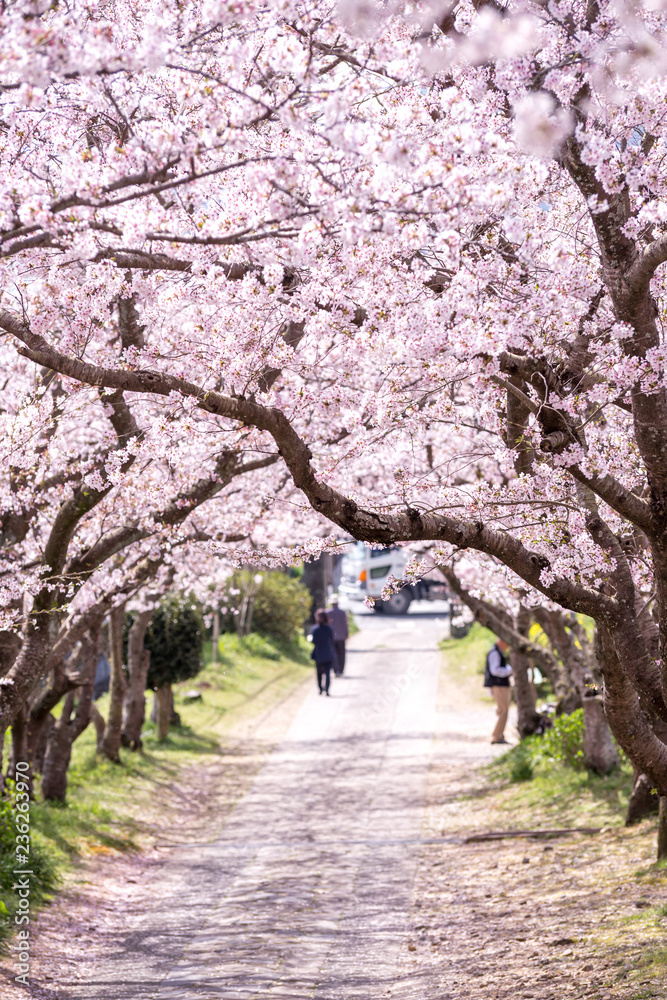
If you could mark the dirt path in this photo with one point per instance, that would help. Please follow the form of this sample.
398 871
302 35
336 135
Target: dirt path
323 857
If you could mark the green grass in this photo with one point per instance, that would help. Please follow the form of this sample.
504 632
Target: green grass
559 795
112 807
540 782
466 658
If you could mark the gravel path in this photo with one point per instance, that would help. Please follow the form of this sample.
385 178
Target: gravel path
307 891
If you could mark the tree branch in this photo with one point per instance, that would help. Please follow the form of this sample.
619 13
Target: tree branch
646 265
366 525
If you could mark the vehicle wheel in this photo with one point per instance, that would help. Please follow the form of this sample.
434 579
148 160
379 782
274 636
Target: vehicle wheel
398 603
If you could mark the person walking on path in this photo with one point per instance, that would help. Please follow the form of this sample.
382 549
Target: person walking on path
338 622
497 677
324 651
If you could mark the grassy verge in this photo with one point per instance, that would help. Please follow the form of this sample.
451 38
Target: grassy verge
541 781
542 784
466 657
112 808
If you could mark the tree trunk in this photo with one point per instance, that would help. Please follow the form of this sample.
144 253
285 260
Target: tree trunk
38 739
249 613
58 755
524 690
314 579
19 752
134 701
568 698
599 751
164 706
42 704
662 829
111 742
10 644
216 636
97 720
174 717
67 729
241 617
524 695
643 801
134 704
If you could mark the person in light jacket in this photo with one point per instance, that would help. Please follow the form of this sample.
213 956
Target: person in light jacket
338 622
324 651
497 678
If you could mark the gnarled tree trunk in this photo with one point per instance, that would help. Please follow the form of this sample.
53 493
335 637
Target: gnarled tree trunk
662 829
110 745
568 697
19 752
40 719
216 636
599 751
643 802
524 690
134 701
67 728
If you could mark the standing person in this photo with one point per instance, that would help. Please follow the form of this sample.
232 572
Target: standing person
324 651
497 677
338 622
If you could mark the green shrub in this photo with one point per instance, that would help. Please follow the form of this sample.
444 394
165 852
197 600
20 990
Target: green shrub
281 605
258 645
520 763
565 741
175 638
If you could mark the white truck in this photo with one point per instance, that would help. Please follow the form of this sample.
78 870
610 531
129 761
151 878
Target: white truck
364 573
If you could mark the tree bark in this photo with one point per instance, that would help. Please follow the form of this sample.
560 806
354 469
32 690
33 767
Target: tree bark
67 729
38 741
599 751
629 722
164 705
134 701
524 690
313 578
662 829
19 751
643 801
111 742
568 699
97 720
528 718
41 707
58 755
216 636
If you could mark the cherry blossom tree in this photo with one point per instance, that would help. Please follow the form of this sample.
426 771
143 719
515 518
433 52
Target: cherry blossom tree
416 252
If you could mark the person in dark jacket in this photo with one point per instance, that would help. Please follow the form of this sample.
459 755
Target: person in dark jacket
338 622
324 651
